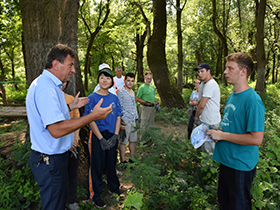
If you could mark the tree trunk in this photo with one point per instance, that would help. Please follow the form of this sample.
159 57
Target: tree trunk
2 78
219 65
198 57
139 55
92 37
261 62
156 57
221 36
180 46
253 55
45 24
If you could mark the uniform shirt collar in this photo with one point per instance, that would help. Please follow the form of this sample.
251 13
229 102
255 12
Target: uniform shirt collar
53 78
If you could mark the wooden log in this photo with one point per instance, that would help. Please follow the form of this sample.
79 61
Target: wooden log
13 111
9 139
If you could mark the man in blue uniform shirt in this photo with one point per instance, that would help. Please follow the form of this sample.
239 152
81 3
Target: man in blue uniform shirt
51 129
242 132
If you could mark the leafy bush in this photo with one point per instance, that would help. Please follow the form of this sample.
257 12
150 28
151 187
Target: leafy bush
171 173
16 96
19 189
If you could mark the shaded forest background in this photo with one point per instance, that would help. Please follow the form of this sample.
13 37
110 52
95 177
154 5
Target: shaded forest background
169 38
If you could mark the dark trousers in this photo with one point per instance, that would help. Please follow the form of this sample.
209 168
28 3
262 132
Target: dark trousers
191 124
52 179
72 177
98 160
234 188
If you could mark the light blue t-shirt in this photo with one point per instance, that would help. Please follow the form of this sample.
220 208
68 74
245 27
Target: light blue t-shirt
244 113
194 95
46 105
109 123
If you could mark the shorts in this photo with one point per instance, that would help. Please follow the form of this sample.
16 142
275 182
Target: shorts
131 133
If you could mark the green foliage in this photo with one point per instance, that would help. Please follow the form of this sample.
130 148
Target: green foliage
18 187
21 152
134 200
175 116
16 125
171 174
16 96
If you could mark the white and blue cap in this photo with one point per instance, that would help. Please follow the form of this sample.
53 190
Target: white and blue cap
103 66
199 136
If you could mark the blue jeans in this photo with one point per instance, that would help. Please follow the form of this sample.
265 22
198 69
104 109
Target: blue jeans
234 188
51 178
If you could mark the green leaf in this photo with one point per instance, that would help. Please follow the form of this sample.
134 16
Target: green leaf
134 200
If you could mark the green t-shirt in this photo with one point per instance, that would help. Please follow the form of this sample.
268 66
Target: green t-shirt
146 93
244 113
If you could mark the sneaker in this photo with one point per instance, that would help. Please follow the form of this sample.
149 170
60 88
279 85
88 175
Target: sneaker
100 204
112 193
73 206
130 160
119 173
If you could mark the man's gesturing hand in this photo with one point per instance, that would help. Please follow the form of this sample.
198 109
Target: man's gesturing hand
78 102
101 113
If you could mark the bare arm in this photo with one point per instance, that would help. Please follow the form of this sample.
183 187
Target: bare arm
193 102
95 130
157 101
118 125
142 101
252 138
65 127
200 107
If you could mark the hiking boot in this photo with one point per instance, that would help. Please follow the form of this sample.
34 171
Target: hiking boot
100 204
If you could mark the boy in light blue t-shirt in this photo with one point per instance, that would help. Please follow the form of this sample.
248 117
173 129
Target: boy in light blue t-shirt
242 132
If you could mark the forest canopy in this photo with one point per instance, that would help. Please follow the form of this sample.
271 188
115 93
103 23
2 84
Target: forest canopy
120 33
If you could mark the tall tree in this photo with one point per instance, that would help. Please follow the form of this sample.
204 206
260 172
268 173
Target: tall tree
179 43
140 40
261 62
92 35
221 34
156 56
45 24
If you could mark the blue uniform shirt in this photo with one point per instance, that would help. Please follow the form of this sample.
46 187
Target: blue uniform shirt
109 123
45 105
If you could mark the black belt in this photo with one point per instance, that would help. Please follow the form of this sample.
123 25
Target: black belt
40 153
152 105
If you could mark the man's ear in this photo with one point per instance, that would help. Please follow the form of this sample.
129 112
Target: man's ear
55 64
244 72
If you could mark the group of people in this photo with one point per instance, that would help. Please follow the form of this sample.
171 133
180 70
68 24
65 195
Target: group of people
237 136
55 122
111 108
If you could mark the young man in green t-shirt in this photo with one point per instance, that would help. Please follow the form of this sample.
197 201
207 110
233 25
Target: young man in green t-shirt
242 132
